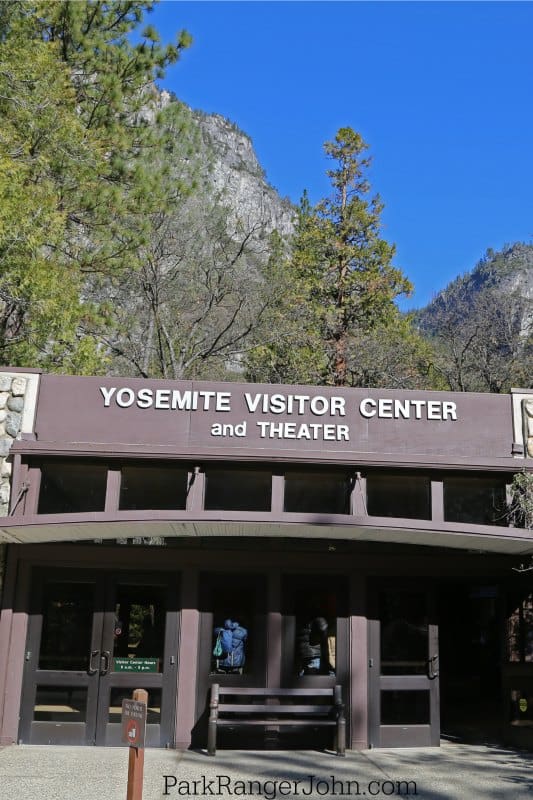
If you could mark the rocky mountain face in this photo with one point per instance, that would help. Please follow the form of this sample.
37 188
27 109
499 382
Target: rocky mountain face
204 297
234 172
203 293
481 324
509 273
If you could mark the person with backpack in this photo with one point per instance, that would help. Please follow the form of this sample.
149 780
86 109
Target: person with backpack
230 647
312 647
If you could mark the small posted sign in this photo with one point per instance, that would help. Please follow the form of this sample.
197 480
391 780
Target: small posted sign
133 723
135 665
133 734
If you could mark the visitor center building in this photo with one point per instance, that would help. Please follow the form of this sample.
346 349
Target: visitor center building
356 537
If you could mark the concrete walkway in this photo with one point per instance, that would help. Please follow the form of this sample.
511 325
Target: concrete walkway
451 772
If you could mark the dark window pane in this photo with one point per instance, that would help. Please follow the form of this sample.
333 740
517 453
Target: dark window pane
72 487
238 490
67 626
139 629
153 708
313 604
401 496
60 704
317 493
153 487
235 635
404 633
405 708
477 500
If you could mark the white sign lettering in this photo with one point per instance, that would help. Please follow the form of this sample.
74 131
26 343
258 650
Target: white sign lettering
170 399
295 430
407 409
295 404
264 403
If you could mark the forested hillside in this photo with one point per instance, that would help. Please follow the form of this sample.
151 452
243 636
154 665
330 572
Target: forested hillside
140 237
481 325
202 288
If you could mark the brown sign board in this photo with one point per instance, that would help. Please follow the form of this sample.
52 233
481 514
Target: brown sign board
254 421
133 723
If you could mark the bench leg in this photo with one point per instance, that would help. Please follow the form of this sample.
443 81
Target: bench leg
212 724
212 737
340 744
341 722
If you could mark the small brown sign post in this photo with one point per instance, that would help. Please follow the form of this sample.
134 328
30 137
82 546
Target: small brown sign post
133 734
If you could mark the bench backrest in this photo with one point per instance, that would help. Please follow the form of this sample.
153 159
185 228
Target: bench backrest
228 699
247 691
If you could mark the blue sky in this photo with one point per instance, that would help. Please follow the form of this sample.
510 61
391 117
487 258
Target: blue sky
441 92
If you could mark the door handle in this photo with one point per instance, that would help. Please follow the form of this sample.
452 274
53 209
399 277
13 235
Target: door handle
92 670
433 667
105 660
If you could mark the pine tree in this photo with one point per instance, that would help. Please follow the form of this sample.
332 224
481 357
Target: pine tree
344 259
82 148
113 79
343 282
44 151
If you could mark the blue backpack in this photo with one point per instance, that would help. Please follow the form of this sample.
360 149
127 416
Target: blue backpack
223 643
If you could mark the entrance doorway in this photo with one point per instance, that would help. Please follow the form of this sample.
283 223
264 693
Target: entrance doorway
470 626
92 639
403 668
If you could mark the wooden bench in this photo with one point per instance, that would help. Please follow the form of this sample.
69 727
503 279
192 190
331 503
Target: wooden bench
238 706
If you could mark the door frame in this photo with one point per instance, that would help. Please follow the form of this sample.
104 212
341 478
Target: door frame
30 729
162 734
99 678
408 735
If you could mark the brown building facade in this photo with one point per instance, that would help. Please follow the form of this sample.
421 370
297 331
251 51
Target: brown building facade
168 535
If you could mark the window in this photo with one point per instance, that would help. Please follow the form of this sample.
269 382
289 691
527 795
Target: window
60 704
520 627
313 606
69 487
403 496
139 628
153 708
405 708
153 486
67 623
480 501
234 616
317 493
404 632
237 490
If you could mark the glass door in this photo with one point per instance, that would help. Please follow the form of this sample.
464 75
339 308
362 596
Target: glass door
62 660
517 672
404 669
139 651
92 639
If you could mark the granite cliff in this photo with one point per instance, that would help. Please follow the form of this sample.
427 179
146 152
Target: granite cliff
234 173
